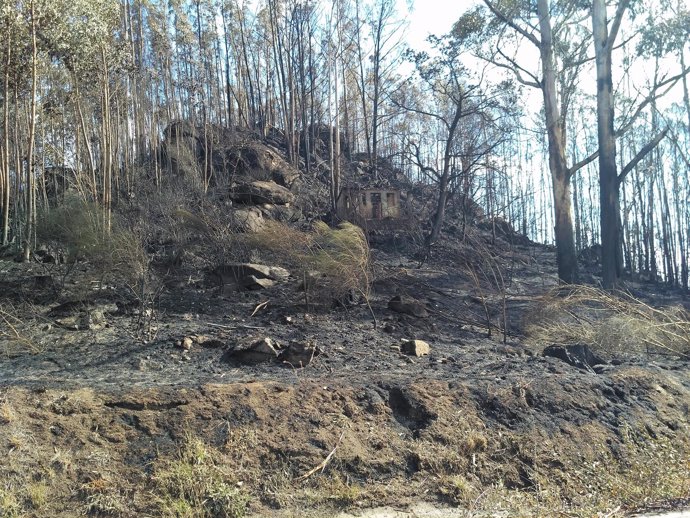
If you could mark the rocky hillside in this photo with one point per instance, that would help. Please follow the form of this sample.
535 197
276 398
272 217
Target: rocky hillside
223 356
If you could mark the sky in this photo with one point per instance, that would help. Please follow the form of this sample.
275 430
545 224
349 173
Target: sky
431 17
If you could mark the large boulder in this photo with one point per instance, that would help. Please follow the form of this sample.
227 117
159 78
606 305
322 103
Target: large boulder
227 153
319 136
252 158
260 192
249 219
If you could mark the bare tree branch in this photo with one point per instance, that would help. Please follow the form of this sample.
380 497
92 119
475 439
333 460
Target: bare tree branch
511 23
640 155
653 96
517 69
579 165
616 25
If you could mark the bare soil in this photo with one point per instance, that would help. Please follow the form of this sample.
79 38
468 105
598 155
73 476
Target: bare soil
99 405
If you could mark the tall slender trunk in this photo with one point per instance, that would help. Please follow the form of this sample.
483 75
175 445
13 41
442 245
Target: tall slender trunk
362 84
680 209
378 47
6 147
30 223
608 172
444 180
566 255
106 144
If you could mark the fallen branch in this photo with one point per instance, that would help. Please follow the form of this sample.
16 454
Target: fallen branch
259 307
15 335
239 326
322 465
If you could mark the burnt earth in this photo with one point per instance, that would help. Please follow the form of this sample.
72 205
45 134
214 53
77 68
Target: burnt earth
96 389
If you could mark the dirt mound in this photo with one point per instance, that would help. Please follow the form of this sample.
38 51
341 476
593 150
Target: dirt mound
576 448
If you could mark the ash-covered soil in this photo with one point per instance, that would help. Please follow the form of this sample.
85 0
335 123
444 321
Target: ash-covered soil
114 410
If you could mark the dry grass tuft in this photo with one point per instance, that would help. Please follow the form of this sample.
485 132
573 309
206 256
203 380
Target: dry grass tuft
78 230
10 506
196 484
611 324
340 256
7 413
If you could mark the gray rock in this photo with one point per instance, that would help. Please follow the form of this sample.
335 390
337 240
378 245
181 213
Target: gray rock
277 273
254 351
300 354
249 220
577 355
94 319
415 347
250 275
284 213
251 282
260 192
408 306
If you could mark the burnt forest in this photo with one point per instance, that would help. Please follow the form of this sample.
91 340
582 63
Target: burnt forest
344 258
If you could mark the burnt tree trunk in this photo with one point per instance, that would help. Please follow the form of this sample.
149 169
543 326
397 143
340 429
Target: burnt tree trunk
608 172
560 174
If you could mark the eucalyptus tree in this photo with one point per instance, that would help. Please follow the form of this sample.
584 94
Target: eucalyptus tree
512 27
13 69
381 46
30 182
605 32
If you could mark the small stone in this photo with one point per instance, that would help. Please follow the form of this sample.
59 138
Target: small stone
415 347
577 355
254 351
300 354
187 343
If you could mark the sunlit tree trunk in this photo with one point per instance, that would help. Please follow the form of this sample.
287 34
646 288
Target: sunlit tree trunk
5 157
30 185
